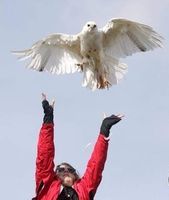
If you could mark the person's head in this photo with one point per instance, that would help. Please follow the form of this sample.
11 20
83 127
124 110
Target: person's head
67 174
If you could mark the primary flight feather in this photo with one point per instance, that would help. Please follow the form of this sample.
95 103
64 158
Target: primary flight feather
95 52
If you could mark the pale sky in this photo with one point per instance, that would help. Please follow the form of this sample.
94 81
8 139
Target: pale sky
138 159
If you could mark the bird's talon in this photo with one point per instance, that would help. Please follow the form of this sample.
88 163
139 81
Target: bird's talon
80 65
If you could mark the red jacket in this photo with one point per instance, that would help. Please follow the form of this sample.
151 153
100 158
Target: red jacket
48 185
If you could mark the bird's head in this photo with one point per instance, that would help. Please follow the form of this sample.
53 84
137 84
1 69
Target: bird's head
90 27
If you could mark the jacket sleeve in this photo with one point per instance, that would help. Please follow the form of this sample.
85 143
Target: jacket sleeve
93 174
45 156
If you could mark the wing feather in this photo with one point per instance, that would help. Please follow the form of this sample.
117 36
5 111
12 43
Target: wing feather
123 38
57 53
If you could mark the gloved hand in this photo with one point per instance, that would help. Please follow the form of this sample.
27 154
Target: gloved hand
108 122
48 110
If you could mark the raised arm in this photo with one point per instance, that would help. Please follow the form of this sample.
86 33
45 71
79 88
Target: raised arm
95 166
45 147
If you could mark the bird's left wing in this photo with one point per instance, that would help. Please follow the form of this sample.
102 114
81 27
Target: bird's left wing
57 53
123 38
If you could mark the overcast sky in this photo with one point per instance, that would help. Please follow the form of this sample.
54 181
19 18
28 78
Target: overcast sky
138 160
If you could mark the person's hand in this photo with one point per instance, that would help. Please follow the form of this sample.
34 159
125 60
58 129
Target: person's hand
48 109
108 122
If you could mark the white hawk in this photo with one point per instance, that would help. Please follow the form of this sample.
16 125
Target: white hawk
95 52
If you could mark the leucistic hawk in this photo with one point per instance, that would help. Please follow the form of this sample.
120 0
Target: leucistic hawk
95 52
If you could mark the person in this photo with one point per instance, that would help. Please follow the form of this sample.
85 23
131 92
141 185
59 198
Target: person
64 183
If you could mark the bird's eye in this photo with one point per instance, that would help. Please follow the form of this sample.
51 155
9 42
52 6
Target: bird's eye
88 25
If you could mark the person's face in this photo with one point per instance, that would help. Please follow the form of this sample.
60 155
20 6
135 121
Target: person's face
66 175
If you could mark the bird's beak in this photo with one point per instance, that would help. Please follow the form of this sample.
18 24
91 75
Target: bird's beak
92 27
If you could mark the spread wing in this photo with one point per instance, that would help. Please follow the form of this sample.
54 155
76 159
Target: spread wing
57 53
123 38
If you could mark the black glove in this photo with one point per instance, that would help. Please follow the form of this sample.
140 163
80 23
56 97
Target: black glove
48 111
107 123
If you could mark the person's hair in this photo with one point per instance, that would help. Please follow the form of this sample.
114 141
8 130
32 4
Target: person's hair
70 166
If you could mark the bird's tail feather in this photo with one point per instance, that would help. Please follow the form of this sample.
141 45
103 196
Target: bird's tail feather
89 78
115 72
111 70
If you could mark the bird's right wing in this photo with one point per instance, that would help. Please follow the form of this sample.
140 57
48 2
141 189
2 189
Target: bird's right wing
123 38
57 53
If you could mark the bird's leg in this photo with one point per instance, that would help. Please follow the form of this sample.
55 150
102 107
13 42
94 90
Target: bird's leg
103 82
85 61
80 65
